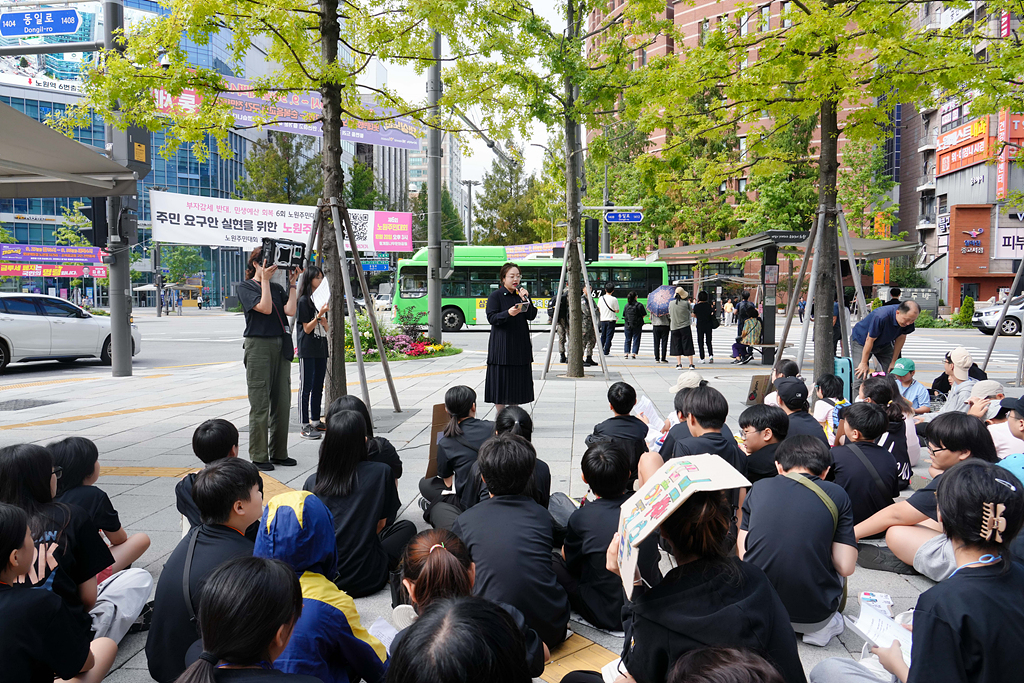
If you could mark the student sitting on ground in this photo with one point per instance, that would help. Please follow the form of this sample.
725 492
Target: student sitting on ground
514 420
882 391
437 566
41 638
912 390
361 496
378 449
1014 421
213 440
763 427
793 399
803 543
449 493
690 379
246 615
594 592
831 395
913 532
328 640
865 470
785 368
622 425
968 627
509 537
985 400
79 459
227 493
719 664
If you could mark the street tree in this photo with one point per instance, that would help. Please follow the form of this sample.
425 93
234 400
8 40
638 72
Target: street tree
504 211
282 170
864 188
363 189
182 262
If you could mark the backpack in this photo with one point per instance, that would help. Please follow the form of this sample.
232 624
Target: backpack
633 316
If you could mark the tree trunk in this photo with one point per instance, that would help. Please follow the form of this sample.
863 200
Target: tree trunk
827 255
574 276
334 186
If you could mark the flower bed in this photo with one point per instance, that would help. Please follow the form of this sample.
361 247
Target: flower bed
402 342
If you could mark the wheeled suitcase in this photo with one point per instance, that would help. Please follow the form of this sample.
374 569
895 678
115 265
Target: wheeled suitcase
844 371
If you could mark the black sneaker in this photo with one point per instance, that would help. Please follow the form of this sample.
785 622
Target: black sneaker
309 432
562 359
264 466
320 426
287 462
144 620
882 559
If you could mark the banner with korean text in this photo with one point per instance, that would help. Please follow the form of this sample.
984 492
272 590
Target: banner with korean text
187 219
49 270
40 253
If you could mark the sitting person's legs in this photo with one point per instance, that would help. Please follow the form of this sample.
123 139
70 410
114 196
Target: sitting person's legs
650 462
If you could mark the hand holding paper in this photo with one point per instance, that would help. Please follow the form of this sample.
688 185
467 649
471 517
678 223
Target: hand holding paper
322 294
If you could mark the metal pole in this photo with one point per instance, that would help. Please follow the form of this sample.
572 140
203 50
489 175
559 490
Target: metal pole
434 199
1020 360
350 300
159 280
370 312
844 333
794 295
606 244
558 308
851 258
1002 316
805 325
314 231
593 311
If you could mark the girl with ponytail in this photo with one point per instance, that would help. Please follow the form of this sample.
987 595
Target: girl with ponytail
437 566
881 390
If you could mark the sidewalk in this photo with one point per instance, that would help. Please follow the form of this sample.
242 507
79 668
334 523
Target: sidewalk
143 427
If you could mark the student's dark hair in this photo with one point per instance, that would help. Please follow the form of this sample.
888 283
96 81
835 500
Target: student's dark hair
506 463
831 387
464 640
802 450
438 562
25 471
679 401
609 288
905 406
221 484
306 280
505 268
631 297
894 292
964 494
458 401
762 417
214 440
622 396
343 448
745 295
250 264
962 432
787 367
352 402
514 420
702 296
77 456
708 407
867 418
243 604
699 527
606 468
723 665
909 306
13 523
882 392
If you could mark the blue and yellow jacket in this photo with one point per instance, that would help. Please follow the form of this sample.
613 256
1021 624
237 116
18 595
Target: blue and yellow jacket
328 641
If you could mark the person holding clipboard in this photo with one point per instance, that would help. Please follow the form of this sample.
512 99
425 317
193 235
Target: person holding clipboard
509 350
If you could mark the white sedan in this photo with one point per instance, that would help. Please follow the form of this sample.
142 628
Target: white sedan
40 327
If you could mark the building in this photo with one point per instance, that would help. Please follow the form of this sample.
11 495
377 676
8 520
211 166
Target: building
451 172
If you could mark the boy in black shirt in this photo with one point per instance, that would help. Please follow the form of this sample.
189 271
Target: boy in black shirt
872 485
228 496
622 425
763 427
789 531
213 440
509 537
594 592
793 398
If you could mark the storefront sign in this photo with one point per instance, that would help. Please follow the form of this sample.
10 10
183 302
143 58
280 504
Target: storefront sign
964 146
943 223
187 219
969 132
1010 242
46 270
38 253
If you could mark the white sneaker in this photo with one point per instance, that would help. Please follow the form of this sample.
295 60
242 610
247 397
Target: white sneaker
832 628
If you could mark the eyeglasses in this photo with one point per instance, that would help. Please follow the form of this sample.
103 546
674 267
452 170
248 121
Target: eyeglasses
933 451
58 471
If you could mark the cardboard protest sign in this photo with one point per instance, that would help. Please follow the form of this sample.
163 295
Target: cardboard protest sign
661 495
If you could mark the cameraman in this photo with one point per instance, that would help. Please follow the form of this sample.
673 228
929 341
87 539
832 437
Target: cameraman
268 358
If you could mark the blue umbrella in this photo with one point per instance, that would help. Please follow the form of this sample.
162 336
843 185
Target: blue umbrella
659 299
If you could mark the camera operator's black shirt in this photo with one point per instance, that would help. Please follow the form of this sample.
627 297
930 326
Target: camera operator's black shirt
260 324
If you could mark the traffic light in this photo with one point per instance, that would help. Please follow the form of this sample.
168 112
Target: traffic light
97 213
591 239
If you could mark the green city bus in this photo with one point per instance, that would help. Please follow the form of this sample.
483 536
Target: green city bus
464 294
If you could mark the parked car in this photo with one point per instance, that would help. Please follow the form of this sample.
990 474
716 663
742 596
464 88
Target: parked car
39 327
383 302
985 318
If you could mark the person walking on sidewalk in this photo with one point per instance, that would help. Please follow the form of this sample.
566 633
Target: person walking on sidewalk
312 346
267 359
660 325
706 322
608 309
633 323
680 317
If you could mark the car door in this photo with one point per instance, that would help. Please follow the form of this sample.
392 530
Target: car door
70 334
25 327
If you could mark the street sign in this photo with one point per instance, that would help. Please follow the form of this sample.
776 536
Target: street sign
376 266
45 22
624 217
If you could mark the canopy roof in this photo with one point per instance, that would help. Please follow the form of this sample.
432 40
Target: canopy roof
37 161
862 247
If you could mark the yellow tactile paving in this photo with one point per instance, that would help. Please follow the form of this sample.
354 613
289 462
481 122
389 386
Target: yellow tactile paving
27 385
271 486
576 653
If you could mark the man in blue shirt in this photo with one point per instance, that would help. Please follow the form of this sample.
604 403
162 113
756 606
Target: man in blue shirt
881 334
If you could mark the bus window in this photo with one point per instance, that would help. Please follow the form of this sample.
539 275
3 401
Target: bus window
455 286
413 283
482 281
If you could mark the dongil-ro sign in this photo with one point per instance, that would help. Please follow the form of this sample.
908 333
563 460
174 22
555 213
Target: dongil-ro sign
44 22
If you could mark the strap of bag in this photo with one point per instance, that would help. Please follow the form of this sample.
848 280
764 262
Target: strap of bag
870 468
186 590
829 503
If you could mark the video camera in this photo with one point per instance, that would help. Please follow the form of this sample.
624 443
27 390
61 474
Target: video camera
283 253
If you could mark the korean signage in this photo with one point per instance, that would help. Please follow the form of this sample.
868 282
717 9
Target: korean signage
972 241
39 253
964 146
40 22
297 113
1010 235
518 251
943 223
46 270
187 219
951 15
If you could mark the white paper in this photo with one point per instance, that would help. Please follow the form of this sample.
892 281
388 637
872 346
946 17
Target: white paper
321 294
647 408
879 630
382 630
880 601
610 671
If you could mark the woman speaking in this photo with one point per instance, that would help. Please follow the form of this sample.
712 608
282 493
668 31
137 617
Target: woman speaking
509 351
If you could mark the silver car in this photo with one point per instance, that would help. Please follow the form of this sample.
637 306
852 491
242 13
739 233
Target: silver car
39 327
985 319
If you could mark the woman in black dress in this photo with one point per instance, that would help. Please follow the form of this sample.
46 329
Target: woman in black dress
509 351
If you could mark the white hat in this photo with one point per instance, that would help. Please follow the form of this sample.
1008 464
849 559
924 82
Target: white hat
690 379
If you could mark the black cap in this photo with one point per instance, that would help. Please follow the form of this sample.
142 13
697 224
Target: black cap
1014 404
791 389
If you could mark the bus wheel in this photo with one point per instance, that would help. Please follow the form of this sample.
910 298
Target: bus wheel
452 319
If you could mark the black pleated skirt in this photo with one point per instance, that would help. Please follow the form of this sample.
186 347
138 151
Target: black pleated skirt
509 384
682 342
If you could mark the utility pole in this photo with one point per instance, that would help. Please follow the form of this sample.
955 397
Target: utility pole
606 239
434 198
470 184
158 278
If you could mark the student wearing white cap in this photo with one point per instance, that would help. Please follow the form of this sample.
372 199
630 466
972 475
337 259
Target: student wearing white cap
957 365
987 404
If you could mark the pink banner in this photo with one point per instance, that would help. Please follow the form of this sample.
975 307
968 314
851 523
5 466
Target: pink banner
46 270
392 231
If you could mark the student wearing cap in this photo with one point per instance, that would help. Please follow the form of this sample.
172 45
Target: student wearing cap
956 365
910 388
1014 418
986 404
793 399
679 431
881 334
